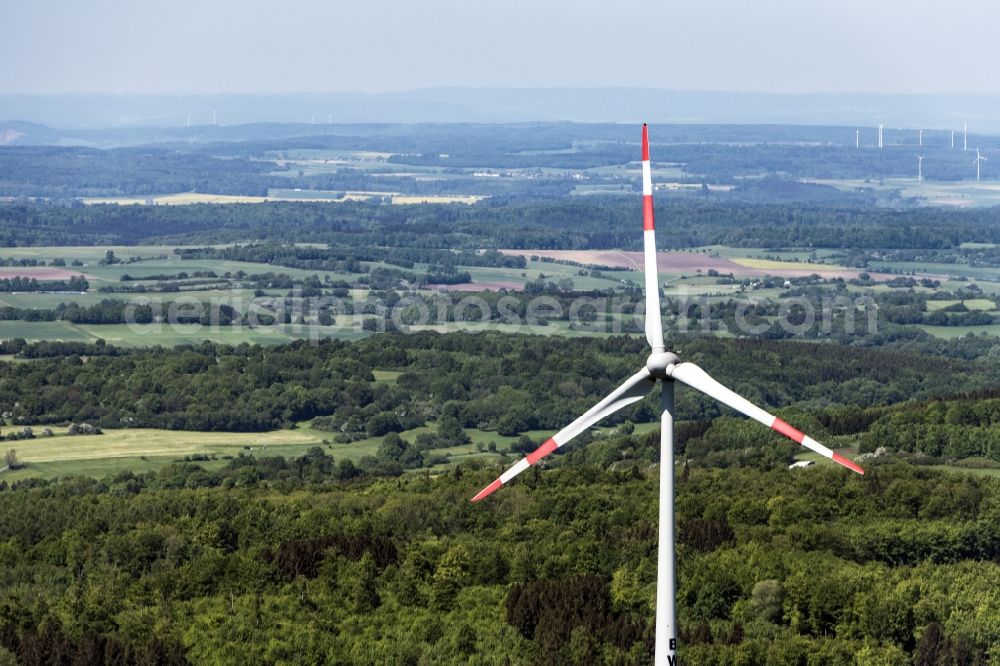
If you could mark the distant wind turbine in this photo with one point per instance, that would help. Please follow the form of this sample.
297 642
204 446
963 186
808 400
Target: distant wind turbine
965 136
857 138
920 168
881 127
979 159
921 137
189 120
213 118
953 138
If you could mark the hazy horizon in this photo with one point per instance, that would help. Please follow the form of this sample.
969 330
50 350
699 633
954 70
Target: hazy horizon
308 46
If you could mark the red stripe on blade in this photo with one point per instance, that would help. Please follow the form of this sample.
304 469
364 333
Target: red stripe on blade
488 490
788 431
647 213
645 143
545 449
849 464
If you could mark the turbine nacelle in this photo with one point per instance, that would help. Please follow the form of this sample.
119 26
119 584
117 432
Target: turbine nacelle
661 363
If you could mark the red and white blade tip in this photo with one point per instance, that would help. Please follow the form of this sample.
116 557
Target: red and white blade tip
547 447
645 142
488 490
849 464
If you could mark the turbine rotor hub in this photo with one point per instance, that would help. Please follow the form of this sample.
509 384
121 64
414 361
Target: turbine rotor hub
659 361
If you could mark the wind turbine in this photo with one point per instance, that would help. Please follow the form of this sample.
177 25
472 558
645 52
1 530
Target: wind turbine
881 127
665 367
920 168
965 135
979 158
857 138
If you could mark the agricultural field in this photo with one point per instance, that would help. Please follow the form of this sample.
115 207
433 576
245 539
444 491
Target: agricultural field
971 303
175 199
675 264
147 449
683 274
954 271
959 194
277 194
952 332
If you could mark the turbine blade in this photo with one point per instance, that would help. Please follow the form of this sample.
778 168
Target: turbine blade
633 390
654 327
696 378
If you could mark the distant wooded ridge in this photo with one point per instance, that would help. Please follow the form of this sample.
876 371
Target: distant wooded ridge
627 105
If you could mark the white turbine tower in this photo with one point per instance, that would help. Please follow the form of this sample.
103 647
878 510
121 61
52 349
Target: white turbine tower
667 368
857 138
921 137
953 138
881 127
965 136
979 160
213 117
920 168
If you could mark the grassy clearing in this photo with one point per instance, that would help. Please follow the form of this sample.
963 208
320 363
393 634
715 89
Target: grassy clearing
97 469
952 270
756 252
983 304
770 264
977 471
386 376
44 330
136 442
167 335
949 332
88 254
965 193
142 450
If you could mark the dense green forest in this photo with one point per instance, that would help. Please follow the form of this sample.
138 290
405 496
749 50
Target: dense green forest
80 172
561 224
285 561
508 383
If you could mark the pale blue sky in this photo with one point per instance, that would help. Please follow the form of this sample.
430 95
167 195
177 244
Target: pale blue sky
140 46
